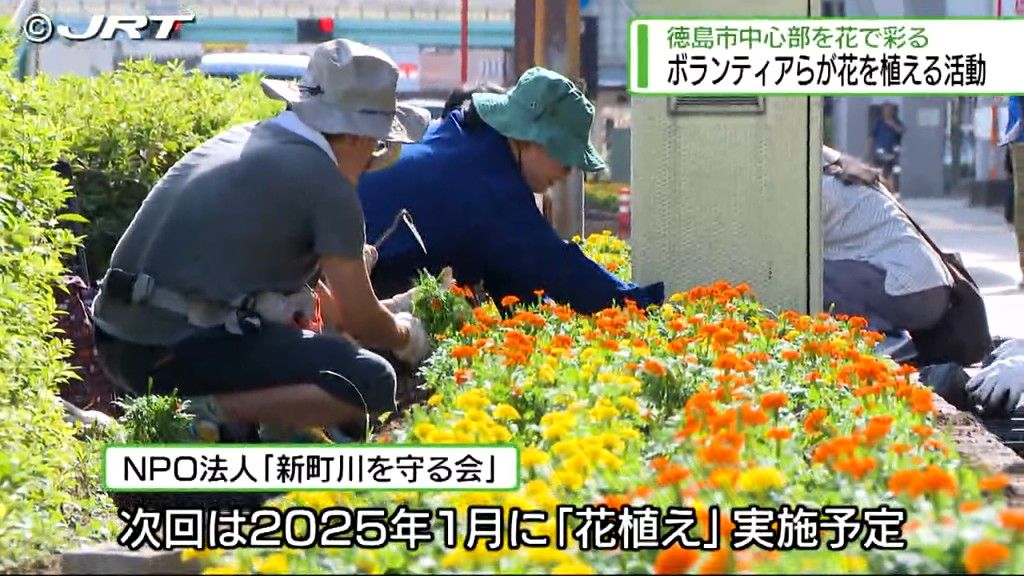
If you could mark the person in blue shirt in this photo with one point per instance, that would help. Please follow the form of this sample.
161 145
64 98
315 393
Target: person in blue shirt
469 185
886 140
1014 140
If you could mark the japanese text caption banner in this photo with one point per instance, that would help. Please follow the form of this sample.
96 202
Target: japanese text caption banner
802 56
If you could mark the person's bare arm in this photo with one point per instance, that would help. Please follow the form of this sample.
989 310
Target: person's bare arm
352 302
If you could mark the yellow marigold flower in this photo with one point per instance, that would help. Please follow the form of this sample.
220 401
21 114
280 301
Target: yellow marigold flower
499 433
441 437
612 442
506 412
424 430
546 374
606 377
579 464
464 438
274 564
229 569
587 372
600 413
854 564
434 400
476 415
555 432
465 426
317 500
536 488
565 447
677 297
550 556
761 479
628 433
552 418
628 404
471 399
532 457
569 479
610 461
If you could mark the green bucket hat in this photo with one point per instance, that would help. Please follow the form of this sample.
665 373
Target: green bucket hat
546 108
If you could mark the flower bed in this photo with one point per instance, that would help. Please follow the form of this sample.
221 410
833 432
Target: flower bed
707 403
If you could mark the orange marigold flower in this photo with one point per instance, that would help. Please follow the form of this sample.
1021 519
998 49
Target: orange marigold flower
643 492
462 375
922 430
779 434
655 367
753 416
1013 519
858 467
615 501
813 420
900 448
717 562
994 483
921 401
464 352
659 463
968 507
774 400
672 474
675 560
985 556
902 481
509 301
791 355
934 480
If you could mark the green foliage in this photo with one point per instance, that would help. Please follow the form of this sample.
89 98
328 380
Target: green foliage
156 419
45 501
126 128
603 195
441 308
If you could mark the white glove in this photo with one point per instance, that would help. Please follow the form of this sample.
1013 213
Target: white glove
369 257
401 302
418 347
998 387
1005 350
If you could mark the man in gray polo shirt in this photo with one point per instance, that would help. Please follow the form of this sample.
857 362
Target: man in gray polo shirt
257 214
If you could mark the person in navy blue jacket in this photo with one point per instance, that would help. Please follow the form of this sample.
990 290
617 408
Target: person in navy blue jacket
469 185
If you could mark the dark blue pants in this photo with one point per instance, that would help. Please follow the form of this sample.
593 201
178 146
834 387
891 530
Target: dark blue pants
858 289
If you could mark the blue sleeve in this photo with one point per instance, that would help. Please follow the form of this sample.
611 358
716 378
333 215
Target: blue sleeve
517 252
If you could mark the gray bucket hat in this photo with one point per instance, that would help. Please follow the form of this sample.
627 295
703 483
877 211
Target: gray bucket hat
350 88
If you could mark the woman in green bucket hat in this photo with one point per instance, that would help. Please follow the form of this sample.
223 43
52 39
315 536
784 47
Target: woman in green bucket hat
469 185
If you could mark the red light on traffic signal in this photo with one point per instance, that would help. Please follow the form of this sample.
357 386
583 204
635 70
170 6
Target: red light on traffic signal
326 25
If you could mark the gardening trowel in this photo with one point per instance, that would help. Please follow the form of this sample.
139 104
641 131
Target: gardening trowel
403 217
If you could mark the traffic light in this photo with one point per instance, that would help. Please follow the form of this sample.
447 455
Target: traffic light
315 30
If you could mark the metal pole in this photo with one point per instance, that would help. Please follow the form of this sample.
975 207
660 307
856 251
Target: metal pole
465 41
992 170
557 47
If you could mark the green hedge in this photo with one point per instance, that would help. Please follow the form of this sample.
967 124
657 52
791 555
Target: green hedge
49 495
120 131
124 129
